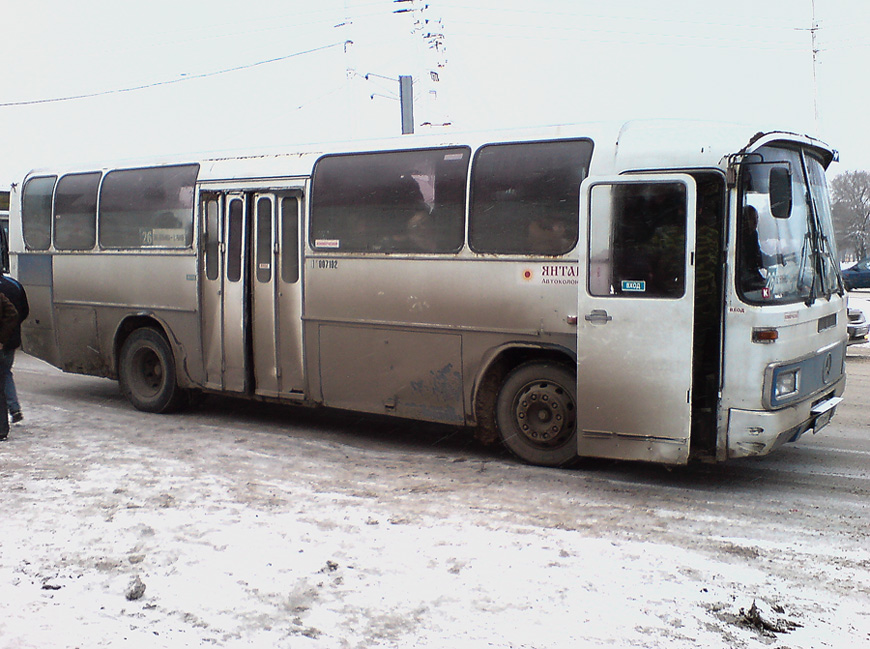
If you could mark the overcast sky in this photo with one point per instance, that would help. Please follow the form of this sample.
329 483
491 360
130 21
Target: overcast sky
176 76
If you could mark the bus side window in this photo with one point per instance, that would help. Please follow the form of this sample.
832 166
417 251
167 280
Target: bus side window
75 212
264 240
525 197
212 238
234 242
390 202
148 207
36 212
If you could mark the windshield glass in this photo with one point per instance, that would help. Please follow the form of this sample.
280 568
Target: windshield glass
784 260
827 242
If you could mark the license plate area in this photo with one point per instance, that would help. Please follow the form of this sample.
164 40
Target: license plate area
823 412
823 420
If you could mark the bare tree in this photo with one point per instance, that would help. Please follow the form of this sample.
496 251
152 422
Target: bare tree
850 194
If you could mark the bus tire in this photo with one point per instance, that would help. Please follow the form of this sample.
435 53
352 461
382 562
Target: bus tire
146 372
536 414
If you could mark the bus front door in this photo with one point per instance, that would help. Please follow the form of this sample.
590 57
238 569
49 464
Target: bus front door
251 293
634 339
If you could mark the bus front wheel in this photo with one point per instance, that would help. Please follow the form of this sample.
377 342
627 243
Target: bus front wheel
146 371
536 414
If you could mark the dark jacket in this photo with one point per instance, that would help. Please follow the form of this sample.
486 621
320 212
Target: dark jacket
8 319
13 290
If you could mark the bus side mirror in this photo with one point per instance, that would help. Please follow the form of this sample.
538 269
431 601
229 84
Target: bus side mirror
780 192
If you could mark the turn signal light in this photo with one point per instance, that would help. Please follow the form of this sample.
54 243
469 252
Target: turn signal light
764 336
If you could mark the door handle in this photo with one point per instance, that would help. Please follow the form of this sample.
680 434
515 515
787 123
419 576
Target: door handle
598 316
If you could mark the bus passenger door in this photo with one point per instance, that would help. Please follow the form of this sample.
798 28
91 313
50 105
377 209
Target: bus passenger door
251 293
233 323
211 311
223 290
276 295
634 338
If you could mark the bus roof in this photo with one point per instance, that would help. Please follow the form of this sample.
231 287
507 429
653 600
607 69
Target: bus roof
619 147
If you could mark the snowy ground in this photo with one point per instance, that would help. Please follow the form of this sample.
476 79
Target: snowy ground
269 527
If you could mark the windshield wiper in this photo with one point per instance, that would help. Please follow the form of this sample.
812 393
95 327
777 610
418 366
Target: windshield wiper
822 249
829 254
806 262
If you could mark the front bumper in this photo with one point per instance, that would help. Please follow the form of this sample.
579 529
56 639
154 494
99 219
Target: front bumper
752 432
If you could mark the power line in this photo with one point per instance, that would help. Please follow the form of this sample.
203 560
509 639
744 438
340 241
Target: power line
272 26
155 84
320 97
551 31
621 38
617 17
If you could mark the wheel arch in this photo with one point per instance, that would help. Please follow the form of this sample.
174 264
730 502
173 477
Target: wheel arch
497 364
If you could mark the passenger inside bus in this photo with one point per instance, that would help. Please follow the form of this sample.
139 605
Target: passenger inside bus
667 246
649 245
750 262
421 233
403 218
707 311
548 236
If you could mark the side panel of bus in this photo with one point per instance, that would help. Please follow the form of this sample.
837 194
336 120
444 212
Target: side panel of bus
34 271
408 336
89 308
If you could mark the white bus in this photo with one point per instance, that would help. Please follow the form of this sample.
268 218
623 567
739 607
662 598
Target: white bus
656 291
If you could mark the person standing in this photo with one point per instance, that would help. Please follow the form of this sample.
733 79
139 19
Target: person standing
13 290
8 324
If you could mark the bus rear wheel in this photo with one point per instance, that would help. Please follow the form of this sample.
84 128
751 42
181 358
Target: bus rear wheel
146 371
536 414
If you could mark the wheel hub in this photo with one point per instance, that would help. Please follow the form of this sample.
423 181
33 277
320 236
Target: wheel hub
150 371
545 413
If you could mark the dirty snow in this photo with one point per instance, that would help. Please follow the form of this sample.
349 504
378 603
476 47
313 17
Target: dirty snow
258 526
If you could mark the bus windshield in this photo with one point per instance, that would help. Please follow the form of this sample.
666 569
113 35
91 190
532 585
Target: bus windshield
785 255
827 244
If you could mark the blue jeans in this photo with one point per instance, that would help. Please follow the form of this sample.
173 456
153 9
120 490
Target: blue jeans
7 357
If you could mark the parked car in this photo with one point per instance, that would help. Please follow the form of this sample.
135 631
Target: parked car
857 276
858 326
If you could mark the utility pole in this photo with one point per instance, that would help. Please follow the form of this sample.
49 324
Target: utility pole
406 82
406 100
431 30
813 31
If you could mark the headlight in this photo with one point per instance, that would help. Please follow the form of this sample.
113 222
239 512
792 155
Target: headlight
787 382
